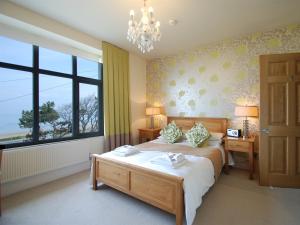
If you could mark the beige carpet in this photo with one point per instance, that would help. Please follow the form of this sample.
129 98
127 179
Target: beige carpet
234 200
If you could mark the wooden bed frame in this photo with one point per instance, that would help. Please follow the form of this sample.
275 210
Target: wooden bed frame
156 188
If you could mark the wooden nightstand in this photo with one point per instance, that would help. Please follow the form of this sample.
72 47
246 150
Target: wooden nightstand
240 145
148 134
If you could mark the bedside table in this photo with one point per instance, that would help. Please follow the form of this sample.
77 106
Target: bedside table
148 134
240 145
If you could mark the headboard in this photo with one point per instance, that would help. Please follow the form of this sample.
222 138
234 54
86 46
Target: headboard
212 124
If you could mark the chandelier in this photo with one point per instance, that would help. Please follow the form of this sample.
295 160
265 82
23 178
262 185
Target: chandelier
144 32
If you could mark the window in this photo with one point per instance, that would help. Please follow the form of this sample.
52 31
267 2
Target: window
88 108
16 121
55 61
55 110
47 96
88 68
15 52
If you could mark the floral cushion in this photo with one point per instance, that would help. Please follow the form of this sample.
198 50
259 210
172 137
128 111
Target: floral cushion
171 133
197 135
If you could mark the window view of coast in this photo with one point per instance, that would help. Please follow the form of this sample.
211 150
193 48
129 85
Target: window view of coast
55 93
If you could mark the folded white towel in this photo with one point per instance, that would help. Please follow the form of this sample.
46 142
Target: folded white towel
169 159
176 157
125 150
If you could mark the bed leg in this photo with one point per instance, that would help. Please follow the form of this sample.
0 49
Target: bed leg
94 174
179 204
179 219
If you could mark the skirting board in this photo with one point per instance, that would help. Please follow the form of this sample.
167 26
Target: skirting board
10 188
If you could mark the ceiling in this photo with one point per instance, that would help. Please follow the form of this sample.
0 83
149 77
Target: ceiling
200 21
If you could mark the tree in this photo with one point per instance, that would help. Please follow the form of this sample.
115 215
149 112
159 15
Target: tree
88 114
59 123
48 116
64 125
26 121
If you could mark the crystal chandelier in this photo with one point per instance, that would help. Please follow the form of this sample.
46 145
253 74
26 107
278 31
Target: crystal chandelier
144 32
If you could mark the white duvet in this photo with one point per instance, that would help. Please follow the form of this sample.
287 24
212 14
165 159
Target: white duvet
198 174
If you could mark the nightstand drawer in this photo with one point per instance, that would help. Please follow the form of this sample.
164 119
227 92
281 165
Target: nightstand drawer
238 145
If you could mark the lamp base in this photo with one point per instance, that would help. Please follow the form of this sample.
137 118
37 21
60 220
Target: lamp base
245 129
152 122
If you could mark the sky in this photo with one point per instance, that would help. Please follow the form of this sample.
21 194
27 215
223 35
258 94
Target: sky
16 86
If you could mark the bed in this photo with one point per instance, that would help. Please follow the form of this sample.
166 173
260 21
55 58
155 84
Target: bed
158 187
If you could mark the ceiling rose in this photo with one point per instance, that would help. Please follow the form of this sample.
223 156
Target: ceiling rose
145 32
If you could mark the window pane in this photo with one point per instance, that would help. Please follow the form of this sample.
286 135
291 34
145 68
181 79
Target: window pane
55 107
15 52
55 61
16 111
88 108
87 68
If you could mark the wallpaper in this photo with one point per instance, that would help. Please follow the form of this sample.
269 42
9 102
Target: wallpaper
211 80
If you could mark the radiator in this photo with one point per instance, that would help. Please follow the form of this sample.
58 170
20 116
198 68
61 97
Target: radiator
29 161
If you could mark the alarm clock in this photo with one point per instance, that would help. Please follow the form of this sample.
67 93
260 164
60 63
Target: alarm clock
234 132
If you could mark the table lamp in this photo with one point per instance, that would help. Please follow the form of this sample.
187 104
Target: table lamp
246 111
152 111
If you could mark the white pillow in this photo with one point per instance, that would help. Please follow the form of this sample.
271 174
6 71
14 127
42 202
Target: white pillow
215 136
214 143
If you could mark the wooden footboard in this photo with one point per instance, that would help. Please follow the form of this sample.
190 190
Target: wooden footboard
158 189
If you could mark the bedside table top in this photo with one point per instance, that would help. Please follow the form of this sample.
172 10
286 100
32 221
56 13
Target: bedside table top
240 139
149 129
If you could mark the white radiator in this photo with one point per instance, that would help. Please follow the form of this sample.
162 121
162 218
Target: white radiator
29 161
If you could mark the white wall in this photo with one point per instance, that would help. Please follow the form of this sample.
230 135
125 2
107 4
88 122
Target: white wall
137 71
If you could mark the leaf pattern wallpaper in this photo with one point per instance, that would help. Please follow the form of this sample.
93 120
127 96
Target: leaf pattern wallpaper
211 80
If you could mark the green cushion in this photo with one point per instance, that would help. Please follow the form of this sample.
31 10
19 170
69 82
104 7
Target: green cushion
171 133
197 135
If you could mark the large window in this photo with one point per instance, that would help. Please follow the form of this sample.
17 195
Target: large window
88 108
55 61
47 96
16 109
55 107
15 52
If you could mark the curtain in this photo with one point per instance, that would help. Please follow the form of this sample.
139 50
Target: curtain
116 96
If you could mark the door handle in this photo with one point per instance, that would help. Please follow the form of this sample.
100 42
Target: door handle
265 130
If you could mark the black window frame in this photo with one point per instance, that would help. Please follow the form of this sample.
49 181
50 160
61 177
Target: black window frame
76 80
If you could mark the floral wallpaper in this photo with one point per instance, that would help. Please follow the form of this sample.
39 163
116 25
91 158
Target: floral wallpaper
211 80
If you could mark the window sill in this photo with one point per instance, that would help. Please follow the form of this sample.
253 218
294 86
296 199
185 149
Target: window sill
7 147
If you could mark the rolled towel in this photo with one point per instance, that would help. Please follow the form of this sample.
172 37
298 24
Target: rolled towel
125 150
165 160
176 157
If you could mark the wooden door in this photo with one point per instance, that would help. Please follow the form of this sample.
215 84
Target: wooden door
280 120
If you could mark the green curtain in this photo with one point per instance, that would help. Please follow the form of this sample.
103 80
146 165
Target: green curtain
116 96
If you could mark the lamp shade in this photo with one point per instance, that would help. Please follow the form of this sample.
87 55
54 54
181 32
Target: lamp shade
251 111
150 111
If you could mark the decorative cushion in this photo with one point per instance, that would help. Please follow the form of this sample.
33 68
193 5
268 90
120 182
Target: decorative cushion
171 133
197 135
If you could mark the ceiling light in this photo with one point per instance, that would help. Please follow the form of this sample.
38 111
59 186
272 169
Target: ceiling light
146 31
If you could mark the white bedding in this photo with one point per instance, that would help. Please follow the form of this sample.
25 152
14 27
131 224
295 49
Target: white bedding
198 174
